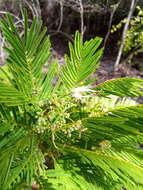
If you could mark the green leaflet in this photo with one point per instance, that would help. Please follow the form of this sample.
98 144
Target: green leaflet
121 87
11 96
83 61
24 64
121 170
55 129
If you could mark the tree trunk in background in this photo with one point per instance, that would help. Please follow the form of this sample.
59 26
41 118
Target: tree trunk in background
132 7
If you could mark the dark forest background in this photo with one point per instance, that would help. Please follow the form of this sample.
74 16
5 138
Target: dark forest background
92 18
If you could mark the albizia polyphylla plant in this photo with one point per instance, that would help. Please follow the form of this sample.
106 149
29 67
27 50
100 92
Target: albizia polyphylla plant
57 131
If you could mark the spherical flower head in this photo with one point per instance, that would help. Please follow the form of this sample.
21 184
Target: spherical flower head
79 91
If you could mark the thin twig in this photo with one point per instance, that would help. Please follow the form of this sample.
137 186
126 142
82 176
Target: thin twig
2 42
5 12
61 15
55 32
132 6
38 8
31 8
81 18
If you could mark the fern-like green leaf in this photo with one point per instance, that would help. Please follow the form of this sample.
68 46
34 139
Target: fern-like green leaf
11 96
27 55
121 87
120 170
83 61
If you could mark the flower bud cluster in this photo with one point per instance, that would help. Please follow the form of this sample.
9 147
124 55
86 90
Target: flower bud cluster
57 115
42 124
93 105
54 116
76 127
36 91
105 144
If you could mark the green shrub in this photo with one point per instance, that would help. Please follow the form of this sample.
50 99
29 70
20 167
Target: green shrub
134 37
57 131
135 34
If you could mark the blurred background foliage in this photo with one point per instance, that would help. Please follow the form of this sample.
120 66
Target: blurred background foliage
91 17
